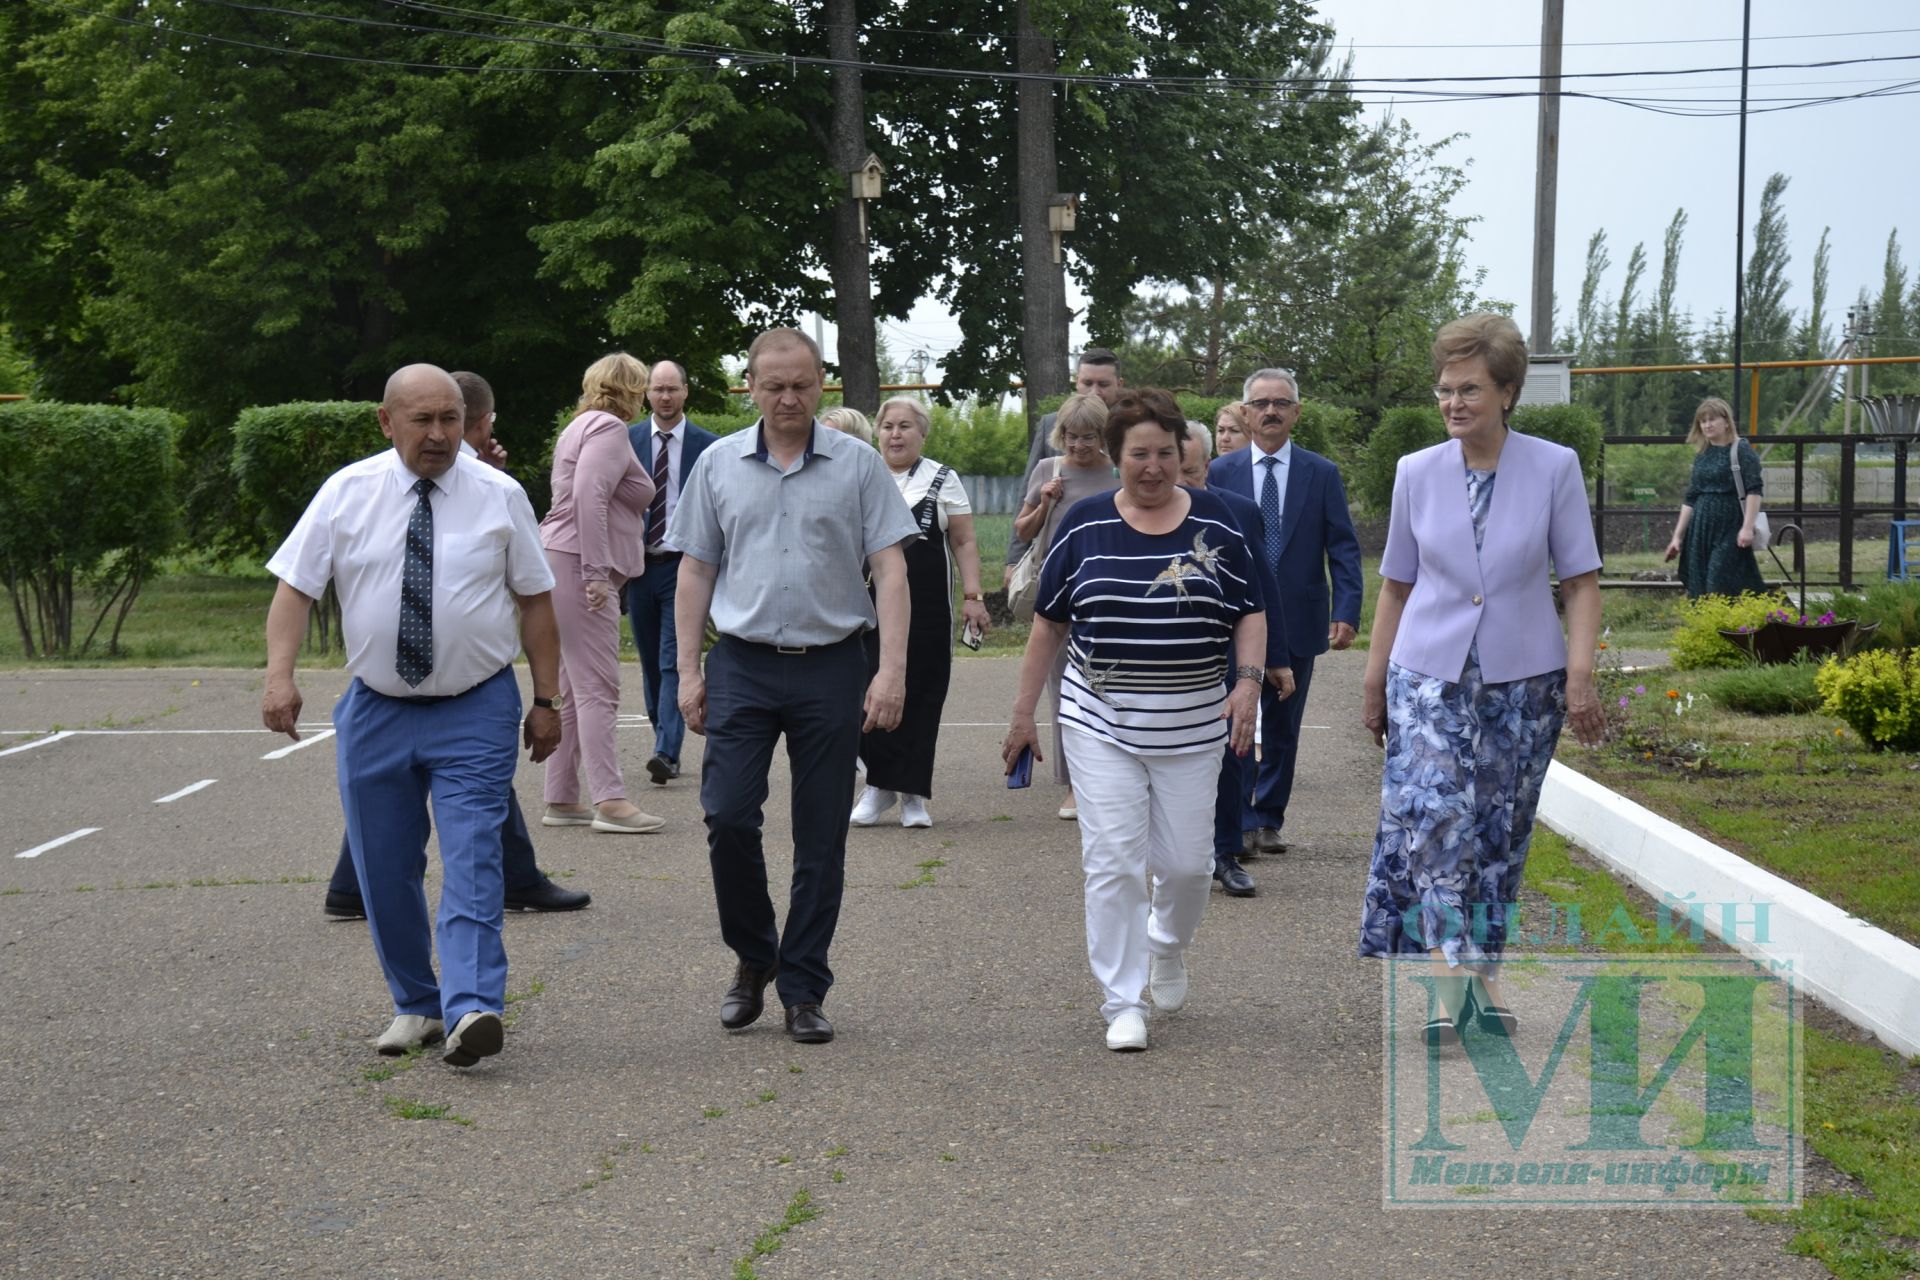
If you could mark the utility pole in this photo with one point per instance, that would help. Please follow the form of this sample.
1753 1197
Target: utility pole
1546 182
1740 217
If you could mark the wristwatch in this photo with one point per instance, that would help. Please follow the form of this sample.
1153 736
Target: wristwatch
554 703
969 595
1254 674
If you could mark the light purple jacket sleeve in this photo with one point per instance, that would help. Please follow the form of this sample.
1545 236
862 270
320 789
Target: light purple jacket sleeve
1501 596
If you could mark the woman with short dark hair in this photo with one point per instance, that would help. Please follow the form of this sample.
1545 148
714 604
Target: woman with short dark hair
1152 592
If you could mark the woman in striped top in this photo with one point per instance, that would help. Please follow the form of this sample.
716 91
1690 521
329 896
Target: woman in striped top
1153 592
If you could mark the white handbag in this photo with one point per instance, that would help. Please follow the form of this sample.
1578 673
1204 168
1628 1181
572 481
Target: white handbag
1762 528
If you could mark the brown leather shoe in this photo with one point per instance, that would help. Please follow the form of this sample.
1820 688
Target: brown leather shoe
807 1025
747 997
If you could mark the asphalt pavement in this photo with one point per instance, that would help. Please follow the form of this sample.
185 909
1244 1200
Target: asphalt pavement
187 1085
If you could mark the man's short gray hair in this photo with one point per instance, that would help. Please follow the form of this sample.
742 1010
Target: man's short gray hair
1198 431
1246 388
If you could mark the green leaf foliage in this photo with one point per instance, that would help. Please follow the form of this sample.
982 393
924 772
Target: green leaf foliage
1697 643
1894 606
88 500
1401 431
1771 689
283 453
1877 695
1576 426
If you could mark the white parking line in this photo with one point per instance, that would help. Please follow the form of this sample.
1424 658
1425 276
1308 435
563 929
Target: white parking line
301 745
39 849
28 746
201 785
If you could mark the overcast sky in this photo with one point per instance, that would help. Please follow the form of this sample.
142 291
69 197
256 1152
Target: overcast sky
1852 164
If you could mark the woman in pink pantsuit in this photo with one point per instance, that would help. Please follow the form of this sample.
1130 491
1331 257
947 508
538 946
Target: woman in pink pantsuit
595 538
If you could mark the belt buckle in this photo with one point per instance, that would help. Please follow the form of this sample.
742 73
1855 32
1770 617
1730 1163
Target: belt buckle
789 648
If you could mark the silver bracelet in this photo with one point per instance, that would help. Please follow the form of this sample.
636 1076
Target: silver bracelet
1254 674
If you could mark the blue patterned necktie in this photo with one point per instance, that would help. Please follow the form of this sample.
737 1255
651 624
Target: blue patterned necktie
657 509
1270 508
413 657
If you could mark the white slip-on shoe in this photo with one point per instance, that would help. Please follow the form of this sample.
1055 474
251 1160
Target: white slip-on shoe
913 812
634 824
1128 1032
1069 813
872 803
566 817
477 1035
1167 981
409 1031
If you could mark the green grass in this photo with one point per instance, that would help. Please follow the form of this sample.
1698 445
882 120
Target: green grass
800 1210
1862 1107
409 1109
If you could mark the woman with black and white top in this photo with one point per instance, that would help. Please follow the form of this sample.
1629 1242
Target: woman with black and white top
900 761
1154 593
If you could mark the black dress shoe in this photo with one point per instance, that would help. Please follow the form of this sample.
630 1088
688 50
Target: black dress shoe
345 906
747 997
662 769
807 1025
1233 877
544 895
1261 840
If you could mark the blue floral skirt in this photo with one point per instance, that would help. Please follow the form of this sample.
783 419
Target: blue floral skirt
1465 761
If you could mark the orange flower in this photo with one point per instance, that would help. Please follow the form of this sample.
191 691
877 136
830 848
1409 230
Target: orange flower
1603 644
1673 693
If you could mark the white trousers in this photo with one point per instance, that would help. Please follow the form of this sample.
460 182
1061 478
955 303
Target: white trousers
1146 846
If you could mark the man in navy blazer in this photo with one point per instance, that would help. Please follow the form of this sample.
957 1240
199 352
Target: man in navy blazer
1194 452
1301 492
669 444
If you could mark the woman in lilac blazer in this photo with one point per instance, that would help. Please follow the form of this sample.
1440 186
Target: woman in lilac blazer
1469 676
595 537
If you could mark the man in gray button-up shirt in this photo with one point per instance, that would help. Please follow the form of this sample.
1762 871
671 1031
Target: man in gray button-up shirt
776 524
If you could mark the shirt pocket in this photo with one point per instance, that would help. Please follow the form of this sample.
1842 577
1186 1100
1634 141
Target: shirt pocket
468 565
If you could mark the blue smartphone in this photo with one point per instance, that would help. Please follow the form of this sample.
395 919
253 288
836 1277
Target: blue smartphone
1022 775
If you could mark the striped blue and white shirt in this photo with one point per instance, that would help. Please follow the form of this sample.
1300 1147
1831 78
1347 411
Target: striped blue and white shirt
1150 623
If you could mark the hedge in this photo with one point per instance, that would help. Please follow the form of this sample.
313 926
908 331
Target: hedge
89 500
282 453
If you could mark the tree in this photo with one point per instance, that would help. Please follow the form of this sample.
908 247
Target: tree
846 149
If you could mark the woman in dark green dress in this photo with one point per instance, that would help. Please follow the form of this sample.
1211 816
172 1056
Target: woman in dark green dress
1714 537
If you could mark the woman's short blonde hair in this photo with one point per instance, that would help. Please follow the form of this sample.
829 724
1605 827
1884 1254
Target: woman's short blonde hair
1495 339
851 421
915 410
1711 407
1079 412
615 384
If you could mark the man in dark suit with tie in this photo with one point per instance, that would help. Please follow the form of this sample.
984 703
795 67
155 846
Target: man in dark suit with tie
1194 452
669 443
1308 538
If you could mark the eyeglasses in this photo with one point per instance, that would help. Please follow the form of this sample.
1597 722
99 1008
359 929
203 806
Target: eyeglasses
1261 406
1469 394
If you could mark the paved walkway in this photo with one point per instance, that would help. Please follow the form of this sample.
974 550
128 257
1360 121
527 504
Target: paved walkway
187 1071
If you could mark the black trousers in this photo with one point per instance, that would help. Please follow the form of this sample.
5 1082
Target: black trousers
516 846
756 694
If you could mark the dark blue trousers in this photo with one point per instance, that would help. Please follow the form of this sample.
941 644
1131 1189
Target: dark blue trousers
650 612
393 754
1271 784
755 695
516 851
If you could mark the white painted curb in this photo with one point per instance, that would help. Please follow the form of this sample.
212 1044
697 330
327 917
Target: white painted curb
1859 970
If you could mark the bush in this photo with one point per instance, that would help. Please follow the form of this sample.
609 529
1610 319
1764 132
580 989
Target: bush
1877 695
1782 689
725 424
1576 426
1401 431
1664 469
1894 605
89 500
1697 642
978 439
1330 430
282 453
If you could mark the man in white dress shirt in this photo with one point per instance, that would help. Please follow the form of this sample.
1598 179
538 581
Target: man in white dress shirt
430 552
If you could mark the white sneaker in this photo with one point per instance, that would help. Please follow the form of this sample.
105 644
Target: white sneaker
478 1035
913 812
1069 813
1167 981
873 802
1128 1032
409 1031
